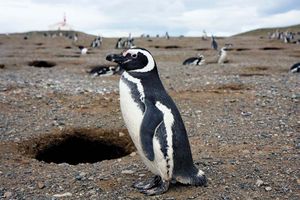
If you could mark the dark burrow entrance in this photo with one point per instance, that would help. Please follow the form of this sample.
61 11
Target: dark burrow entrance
41 63
74 146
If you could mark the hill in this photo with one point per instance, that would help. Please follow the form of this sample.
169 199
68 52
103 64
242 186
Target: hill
264 31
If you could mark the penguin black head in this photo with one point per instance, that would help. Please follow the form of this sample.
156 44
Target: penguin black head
135 59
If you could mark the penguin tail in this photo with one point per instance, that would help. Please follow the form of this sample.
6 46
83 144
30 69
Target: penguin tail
192 177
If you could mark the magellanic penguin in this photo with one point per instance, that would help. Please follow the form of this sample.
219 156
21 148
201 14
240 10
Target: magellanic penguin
223 54
83 50
154 124
214 44
295 68
199 60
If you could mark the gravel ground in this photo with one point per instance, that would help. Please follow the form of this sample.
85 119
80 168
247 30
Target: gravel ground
242 119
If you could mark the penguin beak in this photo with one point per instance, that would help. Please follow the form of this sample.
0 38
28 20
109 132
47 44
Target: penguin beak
117 58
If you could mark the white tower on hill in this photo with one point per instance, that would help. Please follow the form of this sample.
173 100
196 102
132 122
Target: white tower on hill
61 26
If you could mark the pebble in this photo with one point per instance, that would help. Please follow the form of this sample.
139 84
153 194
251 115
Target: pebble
259 183
121 134
127 172
67 194
41 185
246 113
81 176
133 154
38 96
7 195
268 188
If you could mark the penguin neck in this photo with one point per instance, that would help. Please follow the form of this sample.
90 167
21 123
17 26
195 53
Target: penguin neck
148 79
144 75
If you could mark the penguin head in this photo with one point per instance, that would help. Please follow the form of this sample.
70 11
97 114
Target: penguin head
135 60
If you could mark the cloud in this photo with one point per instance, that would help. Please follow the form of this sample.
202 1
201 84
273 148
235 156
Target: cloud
119 17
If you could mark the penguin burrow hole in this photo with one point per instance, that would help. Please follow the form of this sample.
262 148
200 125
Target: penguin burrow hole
271 48
42 63
75 146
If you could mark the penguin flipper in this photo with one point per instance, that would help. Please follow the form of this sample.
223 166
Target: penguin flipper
151 121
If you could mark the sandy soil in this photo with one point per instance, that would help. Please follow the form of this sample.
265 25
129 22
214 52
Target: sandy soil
242 119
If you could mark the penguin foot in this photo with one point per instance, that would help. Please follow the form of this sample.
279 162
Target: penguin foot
162 187
199 180
148 184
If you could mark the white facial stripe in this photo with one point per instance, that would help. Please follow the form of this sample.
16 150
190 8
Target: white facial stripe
150 64
138 84
169 121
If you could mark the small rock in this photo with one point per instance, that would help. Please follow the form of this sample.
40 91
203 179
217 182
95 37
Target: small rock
246 113
170 198
81 176
38 96
259 183
133 154
67 194
41 185
268 188
121 134
127 172
7 195
246 151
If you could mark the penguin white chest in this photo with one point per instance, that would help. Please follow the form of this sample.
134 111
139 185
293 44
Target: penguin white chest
133 115
131 112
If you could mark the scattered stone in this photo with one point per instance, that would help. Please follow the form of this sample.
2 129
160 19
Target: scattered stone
259 183
133 154
268 188
7 195
127 172
67 194
121 134
38 96
81 176
246 114
41 185
246 151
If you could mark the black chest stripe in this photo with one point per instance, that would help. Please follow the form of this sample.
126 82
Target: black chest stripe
135 94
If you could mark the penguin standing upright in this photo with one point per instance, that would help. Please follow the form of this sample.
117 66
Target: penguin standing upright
223 54
154 124
214 44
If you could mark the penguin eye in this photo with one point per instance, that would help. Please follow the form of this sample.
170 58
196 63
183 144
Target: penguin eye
134 55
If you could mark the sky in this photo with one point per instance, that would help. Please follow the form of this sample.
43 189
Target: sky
118 18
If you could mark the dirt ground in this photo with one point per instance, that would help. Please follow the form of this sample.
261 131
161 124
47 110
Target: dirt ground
62 135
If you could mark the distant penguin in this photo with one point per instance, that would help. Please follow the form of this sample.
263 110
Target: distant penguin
154 124
119 44
103 70
295 68
199 60
83 50
223 54
214 44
